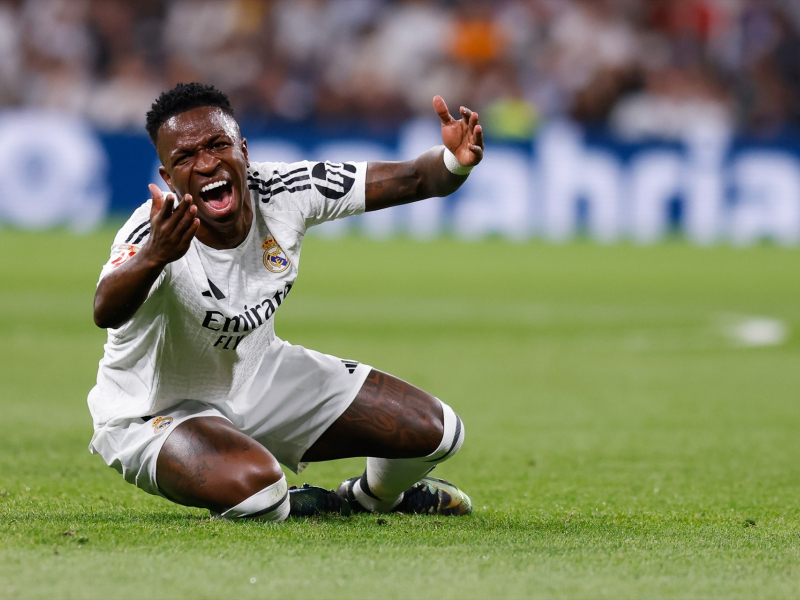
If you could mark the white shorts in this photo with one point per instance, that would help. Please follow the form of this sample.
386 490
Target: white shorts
295 396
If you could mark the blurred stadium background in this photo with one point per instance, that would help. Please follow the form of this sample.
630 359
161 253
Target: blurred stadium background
631 407
623 119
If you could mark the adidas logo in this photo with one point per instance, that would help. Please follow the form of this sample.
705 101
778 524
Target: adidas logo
351 365
214 290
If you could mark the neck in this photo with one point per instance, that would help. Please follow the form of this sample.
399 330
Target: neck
227 235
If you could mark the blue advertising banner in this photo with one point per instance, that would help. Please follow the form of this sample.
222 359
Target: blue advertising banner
566 182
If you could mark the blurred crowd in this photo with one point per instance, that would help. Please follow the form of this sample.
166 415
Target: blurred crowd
643 68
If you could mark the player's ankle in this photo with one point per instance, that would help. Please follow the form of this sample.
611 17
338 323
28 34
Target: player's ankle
371 502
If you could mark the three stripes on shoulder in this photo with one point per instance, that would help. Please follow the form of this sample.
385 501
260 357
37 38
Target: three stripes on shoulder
141 234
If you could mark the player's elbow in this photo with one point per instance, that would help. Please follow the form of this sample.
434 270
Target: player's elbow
103 316
101 320
106 321
97 313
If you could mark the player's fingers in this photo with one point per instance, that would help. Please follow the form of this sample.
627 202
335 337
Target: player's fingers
466 113
166 206
176 207
181 206
476 150
187 216
171 216
468 123
477 136
155 194
190 232
440 107
178 225
183 209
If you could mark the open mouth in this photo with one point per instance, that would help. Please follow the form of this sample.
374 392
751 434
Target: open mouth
218 196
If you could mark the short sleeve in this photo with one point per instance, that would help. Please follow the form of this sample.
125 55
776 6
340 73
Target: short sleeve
128 241
320 191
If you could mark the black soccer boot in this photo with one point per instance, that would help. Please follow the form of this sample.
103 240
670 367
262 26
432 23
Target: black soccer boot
429 496
311 500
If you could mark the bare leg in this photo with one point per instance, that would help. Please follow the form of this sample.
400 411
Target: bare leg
389 418
405 433
208 463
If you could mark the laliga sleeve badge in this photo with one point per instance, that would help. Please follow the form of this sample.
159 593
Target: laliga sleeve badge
275 258
122 254
160 424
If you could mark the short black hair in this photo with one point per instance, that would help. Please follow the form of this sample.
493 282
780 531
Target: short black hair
183 97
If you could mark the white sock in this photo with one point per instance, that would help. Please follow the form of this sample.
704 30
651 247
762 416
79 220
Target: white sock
381 486
270 504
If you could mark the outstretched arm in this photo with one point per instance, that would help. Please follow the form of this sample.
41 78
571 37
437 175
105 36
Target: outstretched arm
394 183
123 291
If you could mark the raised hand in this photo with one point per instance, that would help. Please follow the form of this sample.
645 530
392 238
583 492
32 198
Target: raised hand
171 229
464 137
120 293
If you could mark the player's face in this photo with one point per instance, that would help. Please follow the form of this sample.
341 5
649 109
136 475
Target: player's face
204 155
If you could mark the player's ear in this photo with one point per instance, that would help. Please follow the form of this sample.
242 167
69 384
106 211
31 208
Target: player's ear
244 151
165 176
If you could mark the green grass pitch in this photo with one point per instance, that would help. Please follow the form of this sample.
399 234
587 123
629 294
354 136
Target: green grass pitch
620 441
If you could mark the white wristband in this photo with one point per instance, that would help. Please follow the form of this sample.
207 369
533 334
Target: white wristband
452 164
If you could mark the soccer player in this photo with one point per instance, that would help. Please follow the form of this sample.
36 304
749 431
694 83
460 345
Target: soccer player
196 399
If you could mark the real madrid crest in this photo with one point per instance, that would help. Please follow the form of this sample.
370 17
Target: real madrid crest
275 258
161 423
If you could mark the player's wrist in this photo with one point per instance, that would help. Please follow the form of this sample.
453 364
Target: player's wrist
453 165
151 259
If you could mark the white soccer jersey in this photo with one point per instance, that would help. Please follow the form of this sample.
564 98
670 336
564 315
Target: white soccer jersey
209 318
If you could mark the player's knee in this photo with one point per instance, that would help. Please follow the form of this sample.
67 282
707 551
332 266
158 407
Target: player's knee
452 435
249 478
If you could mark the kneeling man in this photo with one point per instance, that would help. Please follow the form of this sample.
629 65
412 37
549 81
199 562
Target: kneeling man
196 399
